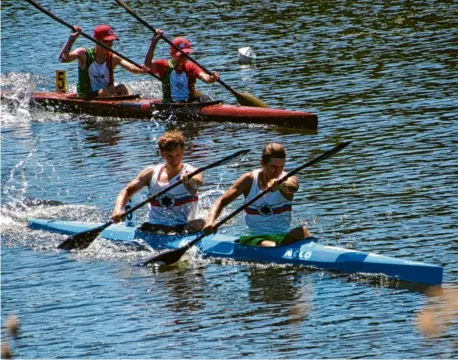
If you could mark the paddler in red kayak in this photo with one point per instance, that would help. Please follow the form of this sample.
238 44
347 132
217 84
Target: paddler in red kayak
268 220
178 74
174 211
96 65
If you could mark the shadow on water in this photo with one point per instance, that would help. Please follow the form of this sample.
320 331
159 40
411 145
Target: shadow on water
185 285
107 131
289 290
102 133
275 284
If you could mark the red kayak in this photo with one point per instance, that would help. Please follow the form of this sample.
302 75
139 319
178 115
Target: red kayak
133 106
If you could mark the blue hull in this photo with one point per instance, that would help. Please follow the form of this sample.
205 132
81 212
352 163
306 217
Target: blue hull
307 252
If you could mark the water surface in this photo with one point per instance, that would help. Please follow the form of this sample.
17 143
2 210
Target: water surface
381 74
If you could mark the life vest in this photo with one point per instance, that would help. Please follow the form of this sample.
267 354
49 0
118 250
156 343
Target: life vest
84 86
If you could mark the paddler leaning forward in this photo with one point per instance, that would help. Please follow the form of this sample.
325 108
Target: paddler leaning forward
96 65
178 74
268 220
175 211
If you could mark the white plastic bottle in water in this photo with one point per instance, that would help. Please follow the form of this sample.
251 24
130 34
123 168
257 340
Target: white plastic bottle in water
130 218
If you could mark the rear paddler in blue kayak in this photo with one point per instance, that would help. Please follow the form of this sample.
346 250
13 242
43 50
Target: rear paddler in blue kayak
268 220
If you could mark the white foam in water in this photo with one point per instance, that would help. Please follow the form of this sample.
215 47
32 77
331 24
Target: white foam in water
6 221
146 88
16 92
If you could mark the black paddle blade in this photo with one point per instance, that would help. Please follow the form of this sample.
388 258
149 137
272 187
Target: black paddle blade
167 258
83 239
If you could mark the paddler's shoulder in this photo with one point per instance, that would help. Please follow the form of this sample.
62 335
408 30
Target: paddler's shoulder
147 172
245 181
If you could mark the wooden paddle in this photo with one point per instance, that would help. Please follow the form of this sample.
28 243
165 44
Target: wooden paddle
50 14
170 257
85 238
242 98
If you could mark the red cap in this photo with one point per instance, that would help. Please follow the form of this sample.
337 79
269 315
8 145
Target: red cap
183 44
104 32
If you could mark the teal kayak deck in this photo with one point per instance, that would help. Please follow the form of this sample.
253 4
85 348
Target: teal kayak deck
307 252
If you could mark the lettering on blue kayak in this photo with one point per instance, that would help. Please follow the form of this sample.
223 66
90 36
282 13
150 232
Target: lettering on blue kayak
130 218
297 254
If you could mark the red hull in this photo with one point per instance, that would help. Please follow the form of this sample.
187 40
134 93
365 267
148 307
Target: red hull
135 107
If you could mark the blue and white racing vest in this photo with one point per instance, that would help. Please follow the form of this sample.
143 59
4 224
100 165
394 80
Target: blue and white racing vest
270 214
99 75
179 86
175 207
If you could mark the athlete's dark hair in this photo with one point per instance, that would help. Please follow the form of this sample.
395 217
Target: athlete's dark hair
273 150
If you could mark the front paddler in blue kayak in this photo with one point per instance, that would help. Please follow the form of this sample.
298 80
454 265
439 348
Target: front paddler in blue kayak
175 210
268 219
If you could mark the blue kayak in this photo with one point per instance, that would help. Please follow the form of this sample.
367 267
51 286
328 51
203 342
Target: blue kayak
307 252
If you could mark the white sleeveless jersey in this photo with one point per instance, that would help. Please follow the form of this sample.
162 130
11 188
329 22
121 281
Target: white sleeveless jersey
99 75
175 207
270 214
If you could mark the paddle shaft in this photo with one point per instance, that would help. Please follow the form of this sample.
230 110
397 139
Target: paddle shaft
50 14
134 14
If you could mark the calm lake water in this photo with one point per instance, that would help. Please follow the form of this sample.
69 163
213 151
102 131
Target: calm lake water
382 74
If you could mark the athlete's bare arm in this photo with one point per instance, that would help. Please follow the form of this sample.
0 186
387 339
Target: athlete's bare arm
143 179
241 186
